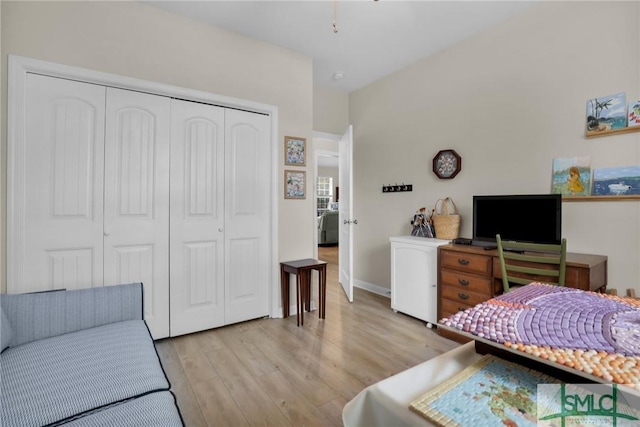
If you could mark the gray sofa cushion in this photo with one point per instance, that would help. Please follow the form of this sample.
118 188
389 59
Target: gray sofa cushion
47 314
52 379
6 333
152 410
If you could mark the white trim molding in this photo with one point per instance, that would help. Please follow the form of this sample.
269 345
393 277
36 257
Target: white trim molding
328 136
385 292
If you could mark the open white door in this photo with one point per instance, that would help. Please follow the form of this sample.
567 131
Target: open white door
345 251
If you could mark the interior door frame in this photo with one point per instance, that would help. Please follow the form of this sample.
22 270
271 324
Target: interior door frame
346 182
19 67
337 138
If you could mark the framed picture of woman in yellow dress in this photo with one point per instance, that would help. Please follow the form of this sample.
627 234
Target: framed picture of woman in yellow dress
571 176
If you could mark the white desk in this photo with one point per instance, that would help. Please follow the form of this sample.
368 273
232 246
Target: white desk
386 403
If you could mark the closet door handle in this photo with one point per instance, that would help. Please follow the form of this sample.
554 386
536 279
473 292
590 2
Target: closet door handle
220 229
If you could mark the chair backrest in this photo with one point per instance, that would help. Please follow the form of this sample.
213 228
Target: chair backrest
522 263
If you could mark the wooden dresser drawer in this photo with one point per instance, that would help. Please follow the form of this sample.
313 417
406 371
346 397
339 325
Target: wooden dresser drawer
472 263
461 296
467 282
448 307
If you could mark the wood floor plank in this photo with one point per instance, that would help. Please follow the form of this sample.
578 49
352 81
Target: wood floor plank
298 410
210 340
214 399
331 370
248 354
189 407
272 372
333 410
360 343
193 359
299 373
218 406
256 405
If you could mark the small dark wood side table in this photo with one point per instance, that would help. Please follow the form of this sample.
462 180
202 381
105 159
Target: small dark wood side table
302 269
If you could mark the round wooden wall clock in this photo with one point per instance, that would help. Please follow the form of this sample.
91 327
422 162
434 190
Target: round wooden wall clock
447 164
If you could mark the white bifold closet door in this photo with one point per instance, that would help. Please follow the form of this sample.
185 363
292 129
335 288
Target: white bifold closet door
247 215
115 186
220 216
197 217
136 199
57 187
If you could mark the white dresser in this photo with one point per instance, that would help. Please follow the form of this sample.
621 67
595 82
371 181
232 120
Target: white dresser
414 276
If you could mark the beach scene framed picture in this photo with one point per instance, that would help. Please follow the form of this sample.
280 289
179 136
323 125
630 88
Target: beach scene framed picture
294 184
295 151
606 113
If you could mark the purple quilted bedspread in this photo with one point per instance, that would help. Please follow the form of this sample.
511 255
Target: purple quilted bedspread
556 317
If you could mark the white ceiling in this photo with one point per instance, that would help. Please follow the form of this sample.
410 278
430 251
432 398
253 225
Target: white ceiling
374 39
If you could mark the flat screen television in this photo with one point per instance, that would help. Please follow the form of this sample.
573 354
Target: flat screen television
525 218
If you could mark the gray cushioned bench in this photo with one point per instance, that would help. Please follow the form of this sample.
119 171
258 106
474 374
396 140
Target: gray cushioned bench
81 358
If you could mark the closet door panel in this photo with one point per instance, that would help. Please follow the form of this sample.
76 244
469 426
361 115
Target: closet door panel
197 217
136 218
248 215
58 187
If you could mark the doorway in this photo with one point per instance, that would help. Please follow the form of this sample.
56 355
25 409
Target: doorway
335 202
326 201
326 198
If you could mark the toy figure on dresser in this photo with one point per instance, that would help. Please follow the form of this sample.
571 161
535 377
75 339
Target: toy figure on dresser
423 226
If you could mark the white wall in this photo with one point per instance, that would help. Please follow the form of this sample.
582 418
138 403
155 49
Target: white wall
137 40
330 110
508 101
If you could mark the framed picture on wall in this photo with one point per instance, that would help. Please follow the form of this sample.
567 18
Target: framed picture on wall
295 151
294 184
571 176
606 113
616 181
634 114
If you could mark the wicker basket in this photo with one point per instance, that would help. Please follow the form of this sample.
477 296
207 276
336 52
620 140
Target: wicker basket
446 221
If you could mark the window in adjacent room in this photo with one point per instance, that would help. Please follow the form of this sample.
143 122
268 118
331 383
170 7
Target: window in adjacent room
324 193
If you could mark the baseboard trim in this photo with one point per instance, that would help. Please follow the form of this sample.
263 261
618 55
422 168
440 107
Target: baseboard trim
293 311
385 292
370 287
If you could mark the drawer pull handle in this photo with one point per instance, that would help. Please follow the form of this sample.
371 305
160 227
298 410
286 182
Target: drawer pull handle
463 296
463 261
461 309
463 282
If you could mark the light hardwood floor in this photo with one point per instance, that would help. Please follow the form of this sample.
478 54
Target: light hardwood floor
271 372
